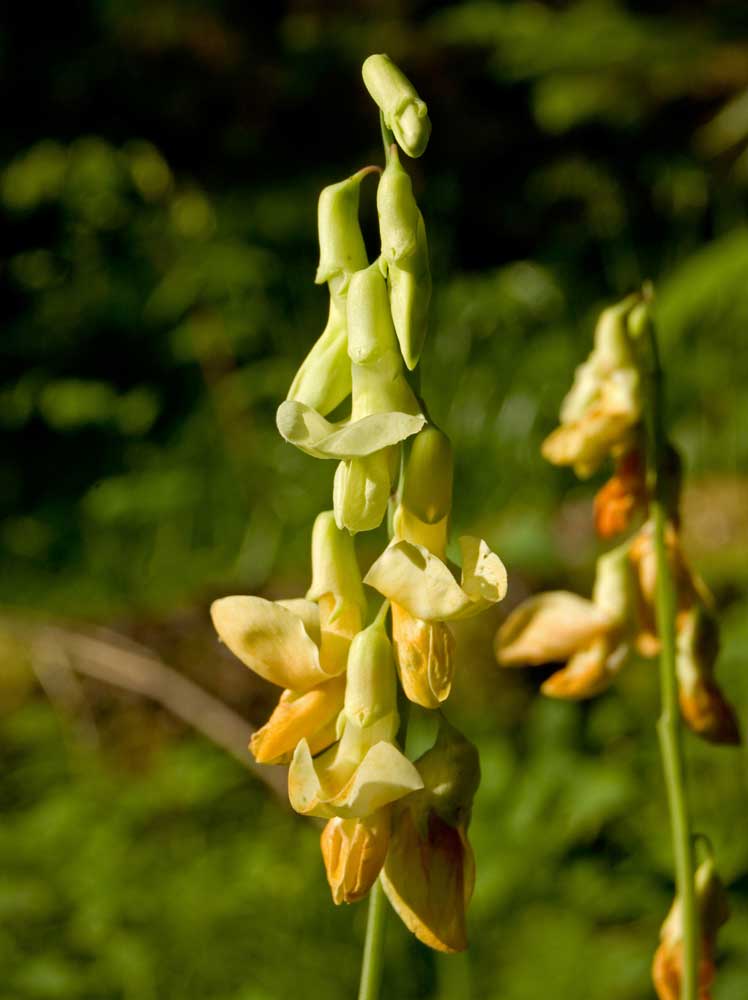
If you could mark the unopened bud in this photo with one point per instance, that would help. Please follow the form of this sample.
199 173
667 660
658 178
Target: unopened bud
612 344
324 378
341 244
370 692
704 708
397 210
428 476
403 110
371 335
361 490
354 851
334 565
410 297
451 774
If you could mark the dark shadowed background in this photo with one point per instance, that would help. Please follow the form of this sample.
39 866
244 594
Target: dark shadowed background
160 165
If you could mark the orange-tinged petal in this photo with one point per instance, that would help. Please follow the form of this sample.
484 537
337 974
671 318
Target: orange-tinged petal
622 497
424 653
589 672
310 715
428 879
707 713
354 851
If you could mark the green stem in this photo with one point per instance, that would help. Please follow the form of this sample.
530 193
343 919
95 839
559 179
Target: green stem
373 961
669 722
388 137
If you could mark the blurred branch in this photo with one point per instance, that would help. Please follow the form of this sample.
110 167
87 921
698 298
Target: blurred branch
58 653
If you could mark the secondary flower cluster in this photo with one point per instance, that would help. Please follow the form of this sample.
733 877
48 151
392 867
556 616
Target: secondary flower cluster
337 720
603 417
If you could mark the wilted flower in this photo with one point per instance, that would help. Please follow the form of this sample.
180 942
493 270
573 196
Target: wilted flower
430 870
354 851
301 645
403 110
364 770
703 705
624 495
591 636
667 968
601 411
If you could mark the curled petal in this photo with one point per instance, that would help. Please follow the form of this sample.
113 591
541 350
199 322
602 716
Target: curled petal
416 579
589 672
586 443
308 430
549 627
428 878
270 640
310 715
320 788
354 851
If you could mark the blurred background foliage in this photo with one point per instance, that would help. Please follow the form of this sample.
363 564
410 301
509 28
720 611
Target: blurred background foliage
160 165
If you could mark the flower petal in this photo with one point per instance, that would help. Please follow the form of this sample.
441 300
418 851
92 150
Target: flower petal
304 427
310 715
426 880
548 627
589 672
270 640
416 579
384 775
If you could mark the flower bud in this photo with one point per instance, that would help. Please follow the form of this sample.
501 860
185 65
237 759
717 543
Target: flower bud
451 775
371 335
354 851
336 586
429 872
667 968
361 490
613 348
404 112
341 245
410 296
397 210
334 565
324 378
703 706
370 692
427 492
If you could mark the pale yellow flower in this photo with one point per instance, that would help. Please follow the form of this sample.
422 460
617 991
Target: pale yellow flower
600 414
364 770
301 645
591 637
429 873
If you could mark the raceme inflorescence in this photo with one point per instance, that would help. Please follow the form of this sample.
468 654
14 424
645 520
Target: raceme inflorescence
337 723
646 600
